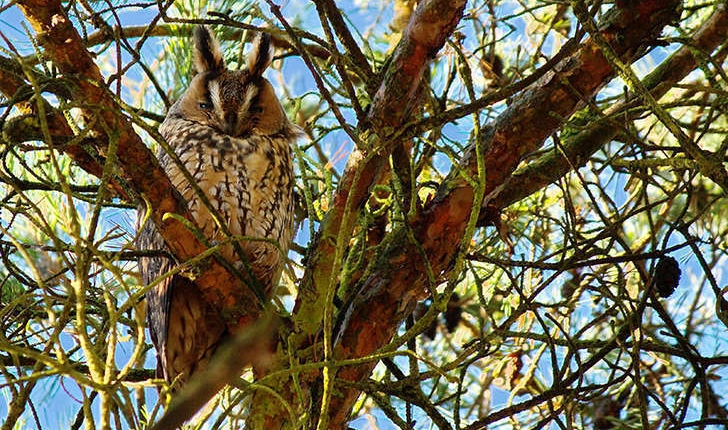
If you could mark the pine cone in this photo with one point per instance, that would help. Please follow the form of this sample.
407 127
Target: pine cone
667 276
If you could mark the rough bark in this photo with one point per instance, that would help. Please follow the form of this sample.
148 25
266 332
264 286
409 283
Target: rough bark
429 27
577 150
389 294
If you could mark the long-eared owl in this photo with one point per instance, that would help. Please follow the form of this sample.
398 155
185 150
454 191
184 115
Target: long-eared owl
233 137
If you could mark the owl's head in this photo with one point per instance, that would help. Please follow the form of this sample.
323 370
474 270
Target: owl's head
237 103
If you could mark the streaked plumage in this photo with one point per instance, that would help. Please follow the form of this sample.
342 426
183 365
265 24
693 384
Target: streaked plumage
231 134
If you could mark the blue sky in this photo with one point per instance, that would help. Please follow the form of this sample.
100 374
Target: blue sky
55 399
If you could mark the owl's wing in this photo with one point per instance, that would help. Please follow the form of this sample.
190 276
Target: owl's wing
184 328
158 298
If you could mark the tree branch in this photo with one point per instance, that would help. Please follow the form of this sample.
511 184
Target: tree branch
578 149
389 293
134 375
13 84
161 30
429 27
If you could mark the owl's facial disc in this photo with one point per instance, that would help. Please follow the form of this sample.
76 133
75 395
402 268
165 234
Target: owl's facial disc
235 103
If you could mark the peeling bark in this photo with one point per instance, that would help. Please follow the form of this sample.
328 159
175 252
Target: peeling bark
549 168
431 24
390 293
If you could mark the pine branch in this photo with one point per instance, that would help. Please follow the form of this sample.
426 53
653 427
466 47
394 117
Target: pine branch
388 293
579 148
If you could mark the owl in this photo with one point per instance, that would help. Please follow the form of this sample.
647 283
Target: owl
232 136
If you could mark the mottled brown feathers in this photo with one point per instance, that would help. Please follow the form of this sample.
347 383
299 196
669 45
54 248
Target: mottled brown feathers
231 135
260 56
207 54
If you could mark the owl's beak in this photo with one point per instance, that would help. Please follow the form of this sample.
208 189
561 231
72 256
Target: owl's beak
238 127
229 123
229 128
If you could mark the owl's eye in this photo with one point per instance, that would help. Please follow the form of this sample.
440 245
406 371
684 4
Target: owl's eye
256 109
205 105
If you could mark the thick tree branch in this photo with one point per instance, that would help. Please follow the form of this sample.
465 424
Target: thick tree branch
578 149
390 292
137 165
429 27
13 84
710 164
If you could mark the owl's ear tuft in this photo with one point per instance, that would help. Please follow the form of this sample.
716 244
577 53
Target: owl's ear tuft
260 55
207 53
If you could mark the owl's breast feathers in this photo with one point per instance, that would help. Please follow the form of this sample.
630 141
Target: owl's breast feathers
248 182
